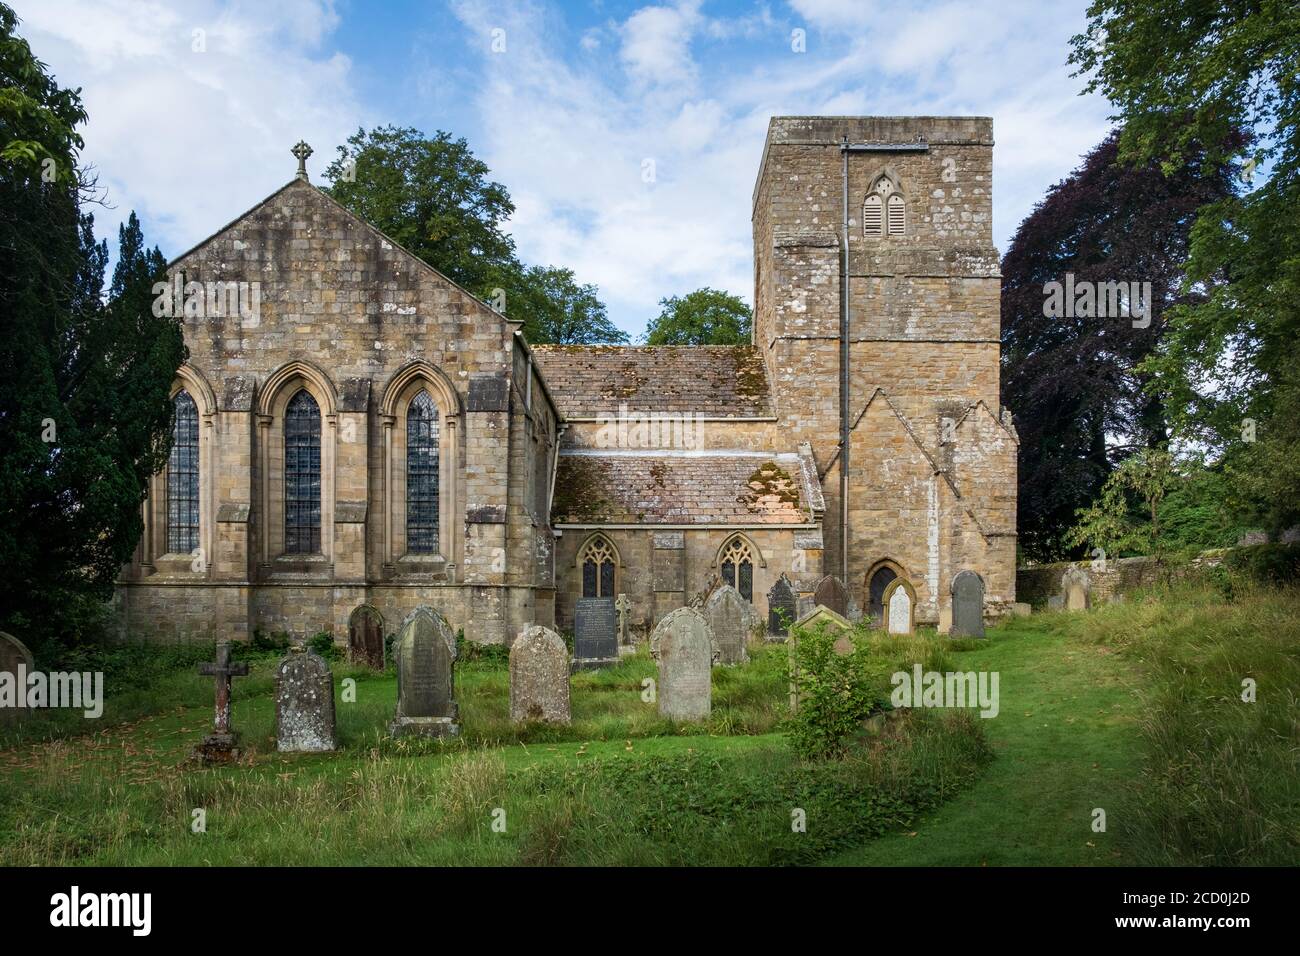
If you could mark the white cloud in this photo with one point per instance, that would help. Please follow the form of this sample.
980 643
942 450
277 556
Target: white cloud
190 139
657 44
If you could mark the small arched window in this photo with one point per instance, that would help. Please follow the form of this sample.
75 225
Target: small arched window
422 475
183 477
302 484
872 216
737 563
897 215
598 568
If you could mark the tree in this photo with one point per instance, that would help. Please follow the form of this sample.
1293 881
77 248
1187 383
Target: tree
1183 77
703 317
84 406
1080 396
556 309
433 196
1126 517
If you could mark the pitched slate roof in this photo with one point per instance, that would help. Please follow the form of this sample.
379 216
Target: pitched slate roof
714 381
681 488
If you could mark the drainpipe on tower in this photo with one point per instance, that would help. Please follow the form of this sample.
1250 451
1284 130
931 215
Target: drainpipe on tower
844 373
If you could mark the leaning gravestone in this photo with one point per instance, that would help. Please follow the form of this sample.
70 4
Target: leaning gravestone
16 661
967 605
728 616
900 610
426 686
832 594
781 605
304 704
595 633
683 647
539 677
1076 589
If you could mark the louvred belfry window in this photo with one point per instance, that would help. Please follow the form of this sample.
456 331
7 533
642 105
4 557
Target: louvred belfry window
872 217
897 215
302 482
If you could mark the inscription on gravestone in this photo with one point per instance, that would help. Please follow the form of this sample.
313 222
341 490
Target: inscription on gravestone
595 633
728 616
304 704
683 647
425 653
898 608
539 676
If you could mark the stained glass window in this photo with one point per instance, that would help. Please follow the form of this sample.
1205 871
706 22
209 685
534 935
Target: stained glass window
302 482
422 475
183 478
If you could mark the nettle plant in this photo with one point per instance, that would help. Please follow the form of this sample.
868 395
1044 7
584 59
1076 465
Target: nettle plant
836 691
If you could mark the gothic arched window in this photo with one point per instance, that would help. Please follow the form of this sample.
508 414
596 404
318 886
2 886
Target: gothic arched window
884 212
599 565
422 475
897 215
737 563
873 216
183 478
302 481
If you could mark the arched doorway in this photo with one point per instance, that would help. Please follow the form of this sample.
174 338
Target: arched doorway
878 578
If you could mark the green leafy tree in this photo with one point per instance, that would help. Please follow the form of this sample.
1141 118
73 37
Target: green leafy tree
432 195
1125 519
703 317
836 692
84 405
1184 76
556 309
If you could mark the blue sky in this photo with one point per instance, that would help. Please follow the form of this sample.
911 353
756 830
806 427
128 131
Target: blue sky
566 103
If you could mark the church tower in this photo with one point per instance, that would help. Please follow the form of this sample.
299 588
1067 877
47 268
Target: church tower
894 384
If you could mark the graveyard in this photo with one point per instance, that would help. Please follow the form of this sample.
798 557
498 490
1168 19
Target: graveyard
1085 709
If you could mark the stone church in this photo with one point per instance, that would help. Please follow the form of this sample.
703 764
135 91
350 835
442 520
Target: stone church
357 435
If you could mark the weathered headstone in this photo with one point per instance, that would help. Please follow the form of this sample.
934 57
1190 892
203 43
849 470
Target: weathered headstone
17 662
622 606
781 605
1076 589
539 677
304 704
220 745
426 680
683 647
816 617
832 594
900 608
967 605
728 616
595 633
366 637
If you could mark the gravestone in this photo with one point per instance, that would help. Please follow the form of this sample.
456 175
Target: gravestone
622 606
967 605
539 677
728 616
425 653
816 617
366 637
683 647
782 603
304 704
900 608
15 660
220 745
832 594
595 633
1076 589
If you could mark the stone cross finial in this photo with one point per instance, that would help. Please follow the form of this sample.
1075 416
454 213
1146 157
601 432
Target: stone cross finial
302 151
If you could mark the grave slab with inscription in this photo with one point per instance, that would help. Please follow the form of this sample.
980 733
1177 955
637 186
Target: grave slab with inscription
782 605
539 677
683 647
729 619
595 633
304 704
425 653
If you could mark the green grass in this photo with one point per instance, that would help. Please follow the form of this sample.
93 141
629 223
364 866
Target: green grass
1133 708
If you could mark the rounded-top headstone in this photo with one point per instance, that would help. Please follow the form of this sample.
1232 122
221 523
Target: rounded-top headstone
683 647
426 657
539 676
304 703
967 605
730 621
17 660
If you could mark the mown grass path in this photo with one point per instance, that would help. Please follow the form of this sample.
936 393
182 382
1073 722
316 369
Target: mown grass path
1065 741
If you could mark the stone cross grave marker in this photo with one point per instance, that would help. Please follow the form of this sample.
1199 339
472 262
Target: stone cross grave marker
832 594
304 704
683 647
967 605
539 677
728 616
900 612
622 605
15 659
595 633
219 746
781 606
426 682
